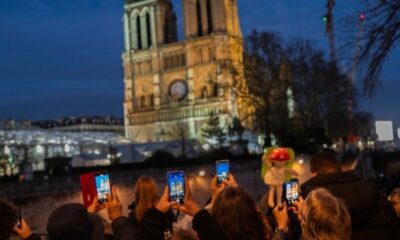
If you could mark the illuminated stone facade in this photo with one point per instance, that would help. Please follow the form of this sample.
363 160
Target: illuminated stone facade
172 87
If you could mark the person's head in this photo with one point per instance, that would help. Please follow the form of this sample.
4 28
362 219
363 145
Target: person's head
7 219
236 211
325 162
324 217
72 221
146 196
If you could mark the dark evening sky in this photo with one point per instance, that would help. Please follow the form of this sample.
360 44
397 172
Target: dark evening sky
63 57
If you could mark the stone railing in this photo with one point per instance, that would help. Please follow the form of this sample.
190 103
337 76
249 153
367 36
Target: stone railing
39 198
170 114
246 171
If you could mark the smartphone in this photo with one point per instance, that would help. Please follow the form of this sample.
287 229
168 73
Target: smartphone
222 170
102 181
18 220
176 186
292 191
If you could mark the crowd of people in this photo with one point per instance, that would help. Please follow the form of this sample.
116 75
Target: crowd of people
335 204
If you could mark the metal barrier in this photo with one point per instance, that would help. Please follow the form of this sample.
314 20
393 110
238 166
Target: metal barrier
71 184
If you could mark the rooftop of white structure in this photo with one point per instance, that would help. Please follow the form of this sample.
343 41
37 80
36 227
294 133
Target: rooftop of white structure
34 137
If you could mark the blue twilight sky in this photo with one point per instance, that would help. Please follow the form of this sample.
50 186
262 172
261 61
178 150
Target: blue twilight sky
63 57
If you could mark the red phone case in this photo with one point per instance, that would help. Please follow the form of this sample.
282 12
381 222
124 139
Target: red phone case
88 188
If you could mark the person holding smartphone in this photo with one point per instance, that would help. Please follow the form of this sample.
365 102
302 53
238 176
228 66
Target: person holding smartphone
155 222
217 187
122 226
146 197
25 231
8 223
321 211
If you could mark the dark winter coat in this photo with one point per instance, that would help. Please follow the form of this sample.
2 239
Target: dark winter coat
372 215
33 237
132 215
155 226
123 229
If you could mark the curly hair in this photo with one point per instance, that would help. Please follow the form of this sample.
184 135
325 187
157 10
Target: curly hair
7 219
236 211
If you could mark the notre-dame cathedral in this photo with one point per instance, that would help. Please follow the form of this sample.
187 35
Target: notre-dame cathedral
172 86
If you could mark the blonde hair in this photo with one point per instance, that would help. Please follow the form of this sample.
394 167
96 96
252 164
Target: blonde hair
146 196
325 217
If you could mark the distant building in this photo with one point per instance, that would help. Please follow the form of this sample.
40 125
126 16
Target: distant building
80 124
12 124
173 86
33 146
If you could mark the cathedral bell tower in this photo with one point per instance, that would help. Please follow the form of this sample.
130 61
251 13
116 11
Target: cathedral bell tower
204 17
148 23
172 87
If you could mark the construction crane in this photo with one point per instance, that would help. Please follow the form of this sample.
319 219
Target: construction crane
329 31
353 73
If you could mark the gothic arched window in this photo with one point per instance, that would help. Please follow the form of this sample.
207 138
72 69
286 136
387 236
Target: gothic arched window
204 92
152 100
209 17
199 56
142 101
133 30
215 90
148 25
139 32
199 19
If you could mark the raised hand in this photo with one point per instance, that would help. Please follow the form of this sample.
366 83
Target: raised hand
164 204
296 208
24 231
95 206
189 206
113 205
231 181
281 216
215 187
